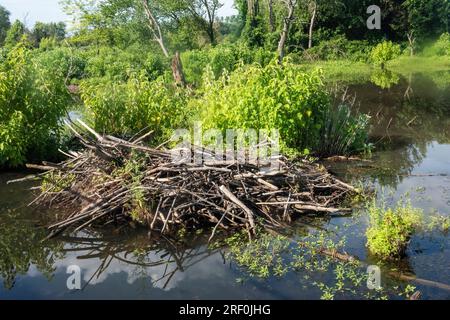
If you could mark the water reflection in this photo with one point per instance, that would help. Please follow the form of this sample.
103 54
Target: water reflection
22 246
385 78
158 260
407 120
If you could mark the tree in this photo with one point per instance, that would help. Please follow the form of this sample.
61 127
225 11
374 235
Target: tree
48 30
290 5
15 34
428 18
4 23
313 11
204 13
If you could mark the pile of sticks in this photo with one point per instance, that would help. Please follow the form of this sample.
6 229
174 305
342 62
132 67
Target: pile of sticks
114 180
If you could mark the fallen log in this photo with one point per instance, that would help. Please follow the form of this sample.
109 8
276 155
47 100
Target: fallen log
395 274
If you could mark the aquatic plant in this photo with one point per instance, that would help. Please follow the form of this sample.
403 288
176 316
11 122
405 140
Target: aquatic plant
391 229
261 257
343 133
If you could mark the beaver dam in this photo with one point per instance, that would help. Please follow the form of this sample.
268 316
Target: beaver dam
114 181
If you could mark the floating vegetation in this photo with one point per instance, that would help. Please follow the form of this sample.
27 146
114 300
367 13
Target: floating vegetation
316 257
391 228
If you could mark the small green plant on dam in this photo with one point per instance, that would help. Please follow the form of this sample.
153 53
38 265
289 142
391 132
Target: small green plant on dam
390 229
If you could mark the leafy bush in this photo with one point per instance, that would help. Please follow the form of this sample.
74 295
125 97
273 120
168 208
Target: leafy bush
391 229
222 57
272 97
384 52
125 108
64 61
339 48
33 98
117 65
441 47
342 133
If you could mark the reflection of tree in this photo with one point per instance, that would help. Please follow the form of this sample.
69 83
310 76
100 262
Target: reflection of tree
21 246
441 79
403 125
384 78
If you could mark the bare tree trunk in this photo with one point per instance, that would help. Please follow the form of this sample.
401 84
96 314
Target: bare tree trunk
177 70
311 24
271 17
153 25
286 27
412 42
252 7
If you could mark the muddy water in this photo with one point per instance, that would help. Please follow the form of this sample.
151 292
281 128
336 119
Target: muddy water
411 132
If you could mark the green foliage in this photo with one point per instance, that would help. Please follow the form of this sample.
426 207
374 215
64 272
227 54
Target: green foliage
273 97
127 107
4 23
343 133
384 52
66 62
427 18
53 30
390 229
260 257
339 48
116 64
33 98
224 57
440 48
14 34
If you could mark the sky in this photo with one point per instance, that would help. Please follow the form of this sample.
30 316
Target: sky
30 11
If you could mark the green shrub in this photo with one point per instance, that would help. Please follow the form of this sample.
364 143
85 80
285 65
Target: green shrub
224 57
272 97
117 65
65 61
342 133
33 98
441 47
125 108
339 48
390 229
384 52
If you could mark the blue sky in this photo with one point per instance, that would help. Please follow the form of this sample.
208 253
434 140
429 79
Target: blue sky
30 11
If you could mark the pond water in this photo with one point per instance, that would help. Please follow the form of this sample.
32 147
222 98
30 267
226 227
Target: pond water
411 132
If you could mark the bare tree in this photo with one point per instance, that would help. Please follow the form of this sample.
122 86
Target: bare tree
155 28
290 4
205 12
313 11
412 42
271 16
